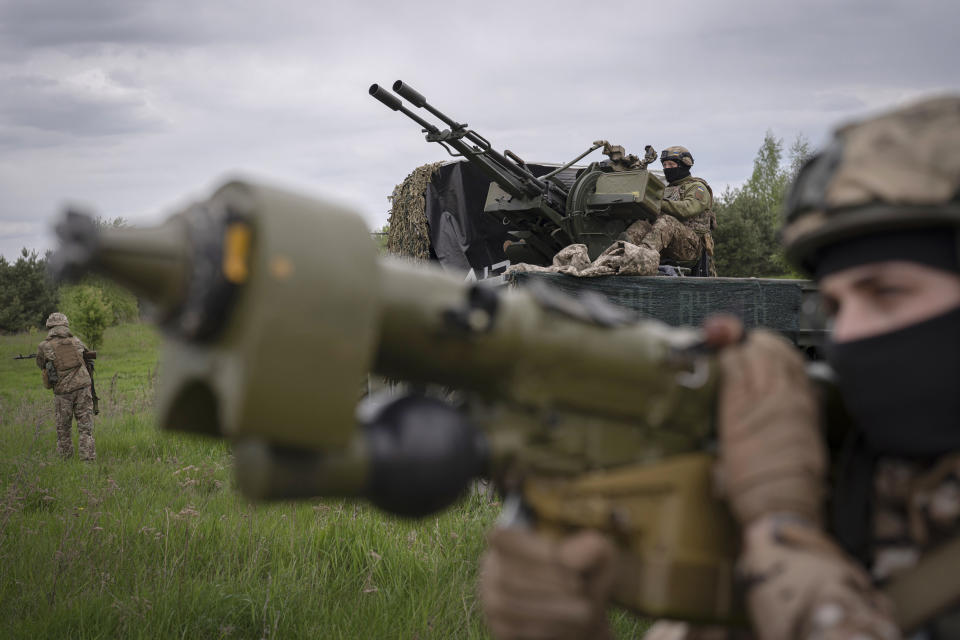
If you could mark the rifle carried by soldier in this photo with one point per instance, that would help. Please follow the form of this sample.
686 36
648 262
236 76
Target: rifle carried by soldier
585 416
543 212
50 374
89 358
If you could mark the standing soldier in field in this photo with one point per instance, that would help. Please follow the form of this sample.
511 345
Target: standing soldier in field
61 361
683 230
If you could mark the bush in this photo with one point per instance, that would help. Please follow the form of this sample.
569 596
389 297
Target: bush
89 313
123 304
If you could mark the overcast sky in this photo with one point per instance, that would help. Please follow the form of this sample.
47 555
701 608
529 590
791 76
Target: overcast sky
134 108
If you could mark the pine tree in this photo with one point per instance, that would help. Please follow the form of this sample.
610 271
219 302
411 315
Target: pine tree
749 216
27 296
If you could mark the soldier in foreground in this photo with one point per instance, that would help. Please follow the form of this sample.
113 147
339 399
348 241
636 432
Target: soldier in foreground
682 232
876 220
61 361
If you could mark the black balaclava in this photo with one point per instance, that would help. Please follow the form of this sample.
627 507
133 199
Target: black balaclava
902 387
676 173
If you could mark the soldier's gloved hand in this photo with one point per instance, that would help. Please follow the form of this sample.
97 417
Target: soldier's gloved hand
536 588
802 586
771 469
772 457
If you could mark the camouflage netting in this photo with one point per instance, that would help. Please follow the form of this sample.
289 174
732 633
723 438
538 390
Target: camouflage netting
409 233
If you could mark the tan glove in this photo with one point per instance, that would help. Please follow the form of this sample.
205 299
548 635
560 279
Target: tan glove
533 587
801 585
772 457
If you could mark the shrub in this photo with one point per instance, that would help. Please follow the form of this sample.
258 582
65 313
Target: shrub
89 313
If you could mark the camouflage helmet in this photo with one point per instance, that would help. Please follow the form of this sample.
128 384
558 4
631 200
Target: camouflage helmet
680 155
899 171
57 319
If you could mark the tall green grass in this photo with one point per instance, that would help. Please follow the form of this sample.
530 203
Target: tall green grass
153 541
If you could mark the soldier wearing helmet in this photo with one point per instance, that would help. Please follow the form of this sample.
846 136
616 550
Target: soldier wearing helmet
683 234
61 361
875 219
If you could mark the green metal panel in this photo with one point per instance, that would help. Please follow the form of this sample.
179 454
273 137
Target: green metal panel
786 306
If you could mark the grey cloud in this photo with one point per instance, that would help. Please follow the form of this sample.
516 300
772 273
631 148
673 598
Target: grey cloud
279 89
821 42
17 229
44 23
50 105
17 139
17 235
93 24
839 102
125 79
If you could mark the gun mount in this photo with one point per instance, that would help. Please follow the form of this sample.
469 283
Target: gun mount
542 213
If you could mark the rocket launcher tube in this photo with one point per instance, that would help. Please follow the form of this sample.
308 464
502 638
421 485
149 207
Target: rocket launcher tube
525 346
598 420
151 262
316 311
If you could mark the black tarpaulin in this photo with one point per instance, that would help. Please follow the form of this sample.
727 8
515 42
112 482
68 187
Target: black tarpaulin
462 236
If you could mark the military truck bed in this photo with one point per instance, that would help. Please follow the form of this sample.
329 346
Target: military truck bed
787 306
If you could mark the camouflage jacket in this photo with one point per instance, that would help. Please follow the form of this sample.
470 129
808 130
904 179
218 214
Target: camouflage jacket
690 200
916 507
66 353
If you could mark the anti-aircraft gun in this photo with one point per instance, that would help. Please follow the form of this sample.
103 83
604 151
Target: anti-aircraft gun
471 216
586 416
542 213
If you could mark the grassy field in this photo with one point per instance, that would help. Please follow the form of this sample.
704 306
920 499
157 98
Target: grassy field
152 540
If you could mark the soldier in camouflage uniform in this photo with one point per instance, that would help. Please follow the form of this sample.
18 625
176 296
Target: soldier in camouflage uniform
684 233
60 358
875 219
